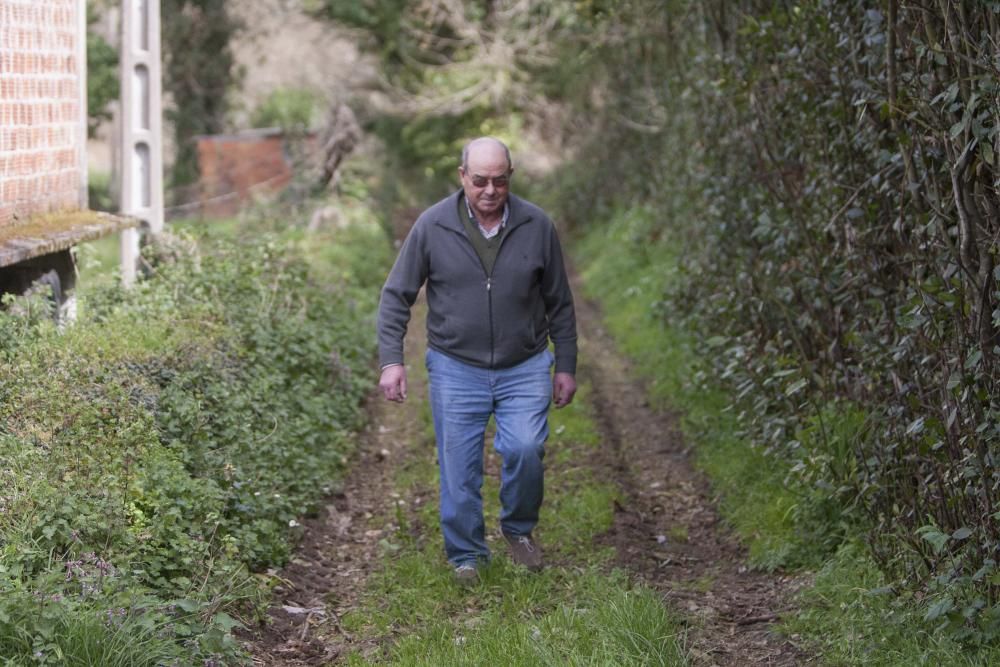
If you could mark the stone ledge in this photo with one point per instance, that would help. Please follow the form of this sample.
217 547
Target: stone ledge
46 233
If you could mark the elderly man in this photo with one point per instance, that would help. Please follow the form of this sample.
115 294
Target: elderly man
496 294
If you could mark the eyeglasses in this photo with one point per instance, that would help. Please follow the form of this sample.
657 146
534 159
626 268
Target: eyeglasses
482 181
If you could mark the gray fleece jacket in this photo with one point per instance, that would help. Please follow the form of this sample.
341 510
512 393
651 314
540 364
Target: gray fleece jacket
489 321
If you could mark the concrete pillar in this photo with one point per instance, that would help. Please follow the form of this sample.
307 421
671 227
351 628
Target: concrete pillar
141 127
81 54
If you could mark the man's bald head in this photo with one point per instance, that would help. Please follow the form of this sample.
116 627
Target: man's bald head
485 171
485 146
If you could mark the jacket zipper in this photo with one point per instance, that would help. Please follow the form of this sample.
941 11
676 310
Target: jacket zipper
489 292
489 305
489 287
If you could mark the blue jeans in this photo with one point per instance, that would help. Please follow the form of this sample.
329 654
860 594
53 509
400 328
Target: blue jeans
462 399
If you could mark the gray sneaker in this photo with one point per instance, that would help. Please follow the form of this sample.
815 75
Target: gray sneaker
525 551
466 575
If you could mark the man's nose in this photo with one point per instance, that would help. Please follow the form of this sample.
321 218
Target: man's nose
489 187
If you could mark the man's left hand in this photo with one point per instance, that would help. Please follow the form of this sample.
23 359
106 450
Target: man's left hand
563 389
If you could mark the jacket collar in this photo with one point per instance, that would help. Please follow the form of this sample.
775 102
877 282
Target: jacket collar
448 214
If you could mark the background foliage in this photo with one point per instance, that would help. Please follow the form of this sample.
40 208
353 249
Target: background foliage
102 74
199 73
291 109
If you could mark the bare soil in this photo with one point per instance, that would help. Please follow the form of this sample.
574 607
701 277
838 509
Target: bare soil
666 532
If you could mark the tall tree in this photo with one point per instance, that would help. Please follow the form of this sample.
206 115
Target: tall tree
199 73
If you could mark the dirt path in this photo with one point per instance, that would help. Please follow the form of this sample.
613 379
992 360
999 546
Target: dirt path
341 547
666 531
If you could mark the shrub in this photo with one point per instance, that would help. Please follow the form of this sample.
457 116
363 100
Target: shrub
162 449
827 173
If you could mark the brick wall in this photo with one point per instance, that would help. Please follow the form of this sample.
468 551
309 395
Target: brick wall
42 107
236 167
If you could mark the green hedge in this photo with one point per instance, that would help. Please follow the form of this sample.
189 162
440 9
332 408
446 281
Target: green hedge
827 174
162 449
851 613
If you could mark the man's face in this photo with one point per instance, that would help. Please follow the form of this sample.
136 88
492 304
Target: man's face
486 179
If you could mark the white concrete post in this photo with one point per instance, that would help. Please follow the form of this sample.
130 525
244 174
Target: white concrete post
141 127
81 54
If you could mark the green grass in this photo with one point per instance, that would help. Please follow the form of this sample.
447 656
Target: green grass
94 637
578 611
853 618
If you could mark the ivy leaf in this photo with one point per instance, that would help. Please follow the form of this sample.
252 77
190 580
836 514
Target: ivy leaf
934 537
796 387
961 533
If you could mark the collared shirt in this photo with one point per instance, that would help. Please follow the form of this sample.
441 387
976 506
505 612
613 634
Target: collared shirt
489 233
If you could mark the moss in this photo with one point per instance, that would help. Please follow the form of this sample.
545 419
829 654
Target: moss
51 232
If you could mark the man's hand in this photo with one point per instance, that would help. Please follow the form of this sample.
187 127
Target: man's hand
392 383
563 389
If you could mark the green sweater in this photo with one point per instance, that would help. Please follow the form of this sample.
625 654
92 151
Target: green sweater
485 248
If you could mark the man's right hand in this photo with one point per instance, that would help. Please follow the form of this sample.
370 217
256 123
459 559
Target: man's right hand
393 383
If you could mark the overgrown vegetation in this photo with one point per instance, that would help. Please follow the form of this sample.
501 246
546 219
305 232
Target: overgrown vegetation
851 614
159 452
825 175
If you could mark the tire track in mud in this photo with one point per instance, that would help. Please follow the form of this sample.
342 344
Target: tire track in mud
667 531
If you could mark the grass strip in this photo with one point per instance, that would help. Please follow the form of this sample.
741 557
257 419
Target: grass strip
575 612
628 277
